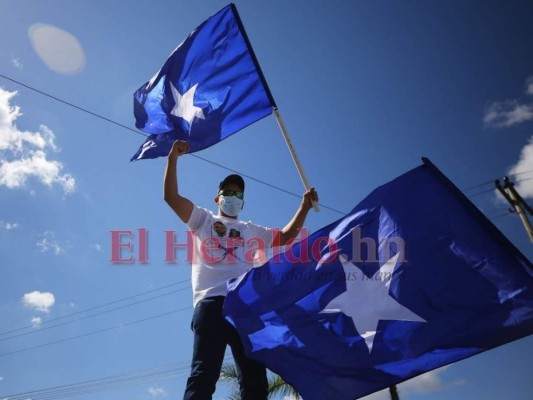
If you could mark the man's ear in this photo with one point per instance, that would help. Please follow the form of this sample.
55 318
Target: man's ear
216 198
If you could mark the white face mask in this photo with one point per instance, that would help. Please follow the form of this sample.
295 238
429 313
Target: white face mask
231 205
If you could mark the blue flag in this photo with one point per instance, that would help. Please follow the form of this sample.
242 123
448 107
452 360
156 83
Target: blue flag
413 278
210 87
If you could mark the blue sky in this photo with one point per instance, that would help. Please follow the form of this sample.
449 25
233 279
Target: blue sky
365 88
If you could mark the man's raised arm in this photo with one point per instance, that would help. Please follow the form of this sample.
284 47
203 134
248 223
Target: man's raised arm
182 206
291 230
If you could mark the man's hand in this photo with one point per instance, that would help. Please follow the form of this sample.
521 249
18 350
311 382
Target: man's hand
308 198
290 231
179 148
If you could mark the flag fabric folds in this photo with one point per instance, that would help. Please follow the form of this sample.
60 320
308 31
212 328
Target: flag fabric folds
210 87
413 278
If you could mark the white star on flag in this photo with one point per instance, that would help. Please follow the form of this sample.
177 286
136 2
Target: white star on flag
367 299
185 107
150 144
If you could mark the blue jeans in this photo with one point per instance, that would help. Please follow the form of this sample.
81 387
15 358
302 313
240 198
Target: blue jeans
212 333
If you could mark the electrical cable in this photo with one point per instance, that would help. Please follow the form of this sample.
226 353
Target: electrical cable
145 375
499 216
94 114
93 332
96 307
491 182
93 315
100 384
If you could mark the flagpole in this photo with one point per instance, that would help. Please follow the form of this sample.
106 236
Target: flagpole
292 150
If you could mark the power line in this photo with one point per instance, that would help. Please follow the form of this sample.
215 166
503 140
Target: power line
481 192
265 183
138 381
120 326
499 216
74 106
491 182
96 307
162 372
521 172
492 217
99 384
94 315
523 180
492 189
94 114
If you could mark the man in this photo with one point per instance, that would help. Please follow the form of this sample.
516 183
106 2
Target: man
223 247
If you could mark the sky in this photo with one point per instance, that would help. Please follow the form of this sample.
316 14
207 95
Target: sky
365 88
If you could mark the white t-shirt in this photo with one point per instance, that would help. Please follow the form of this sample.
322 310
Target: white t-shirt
224 248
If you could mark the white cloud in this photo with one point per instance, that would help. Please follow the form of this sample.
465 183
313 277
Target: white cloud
1 378
36 321
529 86
429 382
40 301
48 242
16 63
507 113
14 139
14 174
504 114
157 391
8 226
58 49
97 247
421 385
524 184
24 154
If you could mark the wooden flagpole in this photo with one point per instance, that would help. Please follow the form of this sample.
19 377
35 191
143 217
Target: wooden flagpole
293 153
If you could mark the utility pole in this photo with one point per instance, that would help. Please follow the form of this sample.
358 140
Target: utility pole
517 202
394 393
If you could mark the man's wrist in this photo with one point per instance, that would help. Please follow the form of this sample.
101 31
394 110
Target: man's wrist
306 206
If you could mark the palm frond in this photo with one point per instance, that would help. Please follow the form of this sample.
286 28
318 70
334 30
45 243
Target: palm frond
229 376
278 388
229 373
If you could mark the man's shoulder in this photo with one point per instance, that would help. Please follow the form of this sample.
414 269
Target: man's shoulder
204 210
199 216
